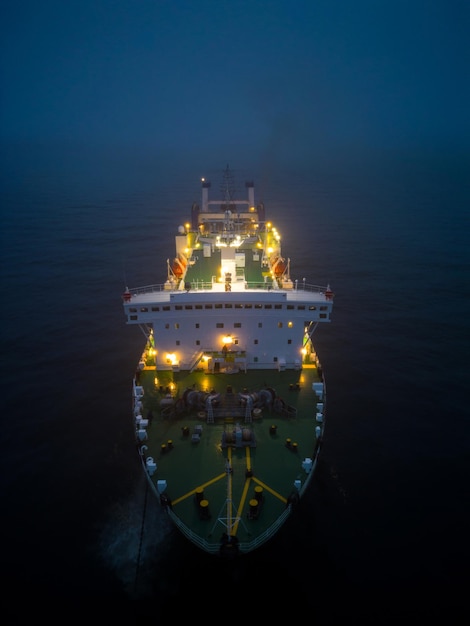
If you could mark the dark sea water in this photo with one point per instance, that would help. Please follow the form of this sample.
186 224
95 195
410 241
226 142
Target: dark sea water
383 534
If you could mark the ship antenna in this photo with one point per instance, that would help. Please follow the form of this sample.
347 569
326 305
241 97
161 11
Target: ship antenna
227 187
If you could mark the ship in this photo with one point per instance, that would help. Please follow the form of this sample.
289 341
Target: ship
228 400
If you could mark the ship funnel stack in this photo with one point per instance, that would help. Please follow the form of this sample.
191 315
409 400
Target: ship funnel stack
205 195
251 194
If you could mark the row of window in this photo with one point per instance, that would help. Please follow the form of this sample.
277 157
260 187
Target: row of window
235 342
176 325
189 307
235 324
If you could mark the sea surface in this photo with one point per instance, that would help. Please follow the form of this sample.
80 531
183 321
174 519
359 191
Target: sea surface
383 534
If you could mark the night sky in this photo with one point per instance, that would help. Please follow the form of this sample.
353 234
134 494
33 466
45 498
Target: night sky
301 77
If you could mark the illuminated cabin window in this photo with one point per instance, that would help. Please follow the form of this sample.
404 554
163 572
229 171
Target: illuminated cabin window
198 306
188 307
312 308
239 306
323 316
177 326
133 317
278 306
279 324
290 307
219 325
155 308
237 325
258 306
248 306
218 306
268 306
208 306
228 306
178 307
166 308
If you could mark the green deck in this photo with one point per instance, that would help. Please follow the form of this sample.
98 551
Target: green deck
261 459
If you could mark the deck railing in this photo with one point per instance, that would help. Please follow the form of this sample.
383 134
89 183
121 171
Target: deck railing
207 286
244 546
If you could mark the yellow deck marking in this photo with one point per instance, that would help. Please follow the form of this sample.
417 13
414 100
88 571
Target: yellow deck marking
248 458
193 491
245 491
232 530
241 505
274 493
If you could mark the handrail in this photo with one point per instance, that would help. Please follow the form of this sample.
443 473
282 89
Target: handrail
244 546
207 286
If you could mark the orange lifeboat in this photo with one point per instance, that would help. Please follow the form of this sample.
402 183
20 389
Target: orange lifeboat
279 267
178 266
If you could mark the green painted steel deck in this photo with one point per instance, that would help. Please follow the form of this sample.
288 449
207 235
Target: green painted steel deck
249 474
